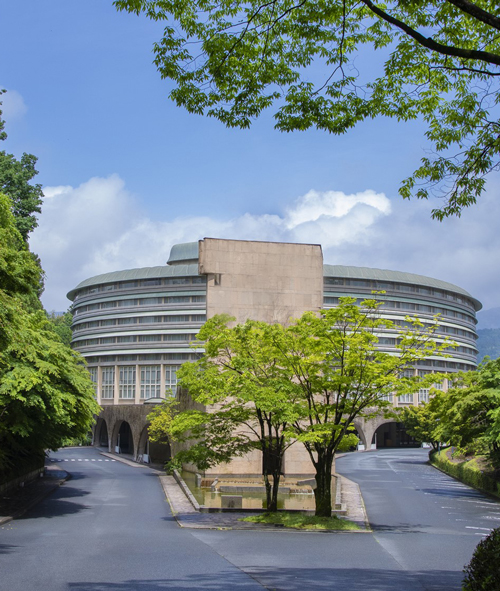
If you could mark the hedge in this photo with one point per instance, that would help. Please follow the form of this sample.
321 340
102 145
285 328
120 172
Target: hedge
466 471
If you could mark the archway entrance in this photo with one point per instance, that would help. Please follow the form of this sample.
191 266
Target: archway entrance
125 441
102 434
393 435
153 452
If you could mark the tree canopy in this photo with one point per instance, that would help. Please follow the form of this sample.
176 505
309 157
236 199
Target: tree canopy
438 60
46 394
305 383
15 182
244 401
466 416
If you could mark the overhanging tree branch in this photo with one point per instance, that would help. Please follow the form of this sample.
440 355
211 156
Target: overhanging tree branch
429 43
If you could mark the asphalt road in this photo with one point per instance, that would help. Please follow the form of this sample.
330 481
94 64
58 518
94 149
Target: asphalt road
110 528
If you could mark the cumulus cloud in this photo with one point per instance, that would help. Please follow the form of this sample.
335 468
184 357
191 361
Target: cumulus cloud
98 227
13 105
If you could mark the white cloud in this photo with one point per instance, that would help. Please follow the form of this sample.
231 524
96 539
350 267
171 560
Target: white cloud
13 105
98 227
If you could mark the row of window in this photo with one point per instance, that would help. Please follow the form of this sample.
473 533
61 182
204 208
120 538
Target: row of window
94 359
149 384
423 396
442 329
156 301
392 343
140 320
149 338
156 282
376 285
409 306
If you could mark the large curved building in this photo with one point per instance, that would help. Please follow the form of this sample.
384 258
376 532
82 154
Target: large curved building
135 327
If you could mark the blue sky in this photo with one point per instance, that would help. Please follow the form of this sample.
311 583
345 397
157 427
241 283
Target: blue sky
127 173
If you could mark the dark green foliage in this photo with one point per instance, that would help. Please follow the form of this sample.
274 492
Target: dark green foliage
46 395
15 182
61 323
483 571
466 471
15 177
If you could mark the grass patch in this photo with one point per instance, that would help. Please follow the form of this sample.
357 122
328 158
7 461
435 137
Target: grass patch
301 521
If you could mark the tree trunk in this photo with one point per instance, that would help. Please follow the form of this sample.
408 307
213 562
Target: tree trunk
272 460
323 490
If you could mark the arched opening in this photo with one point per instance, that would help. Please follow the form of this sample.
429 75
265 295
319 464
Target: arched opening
393 434
152 451
101 434
125 441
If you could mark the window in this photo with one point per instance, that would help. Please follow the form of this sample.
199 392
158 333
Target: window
93 376
150 338
150 381
126 339
127 382
171 379
423 395
126 320
107 383
179 337
150 319
176 319
406 398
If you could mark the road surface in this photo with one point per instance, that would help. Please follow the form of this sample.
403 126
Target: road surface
110 528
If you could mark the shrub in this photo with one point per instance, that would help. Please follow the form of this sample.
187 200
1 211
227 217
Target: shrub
483 571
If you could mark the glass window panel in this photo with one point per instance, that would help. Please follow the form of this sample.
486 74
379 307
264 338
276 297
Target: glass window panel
107 382
126 384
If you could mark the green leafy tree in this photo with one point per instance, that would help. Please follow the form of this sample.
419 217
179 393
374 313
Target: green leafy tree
15 182
339 373
438 61
306 382
61 323
469 415
46 395
244 401
421 422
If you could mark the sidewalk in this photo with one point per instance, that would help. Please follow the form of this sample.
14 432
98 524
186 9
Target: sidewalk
17 501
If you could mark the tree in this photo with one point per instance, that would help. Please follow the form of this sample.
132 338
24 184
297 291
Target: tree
339 373
438 60
244 401
421 422
46 394
61 323
15 177
468 413
306 382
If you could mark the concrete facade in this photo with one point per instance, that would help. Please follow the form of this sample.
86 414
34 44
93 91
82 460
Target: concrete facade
268 281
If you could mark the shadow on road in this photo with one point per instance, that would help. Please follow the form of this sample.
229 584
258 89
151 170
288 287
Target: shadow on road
6 548
294 580
58 504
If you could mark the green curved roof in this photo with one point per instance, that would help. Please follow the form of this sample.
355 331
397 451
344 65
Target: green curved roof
186 252
135 274
397 276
